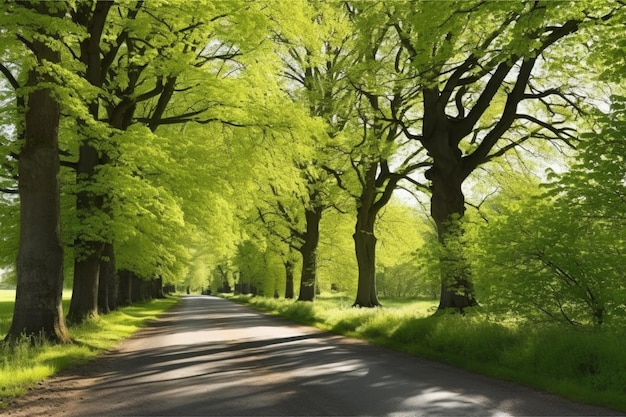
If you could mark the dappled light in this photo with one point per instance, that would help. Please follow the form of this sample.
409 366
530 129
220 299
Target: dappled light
446 179
213 357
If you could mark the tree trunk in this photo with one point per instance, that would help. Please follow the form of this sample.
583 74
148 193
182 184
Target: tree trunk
158 288
365 249
365 241
106 280
38 309
88 252
84 302
111 278
447 210
103 291
457 290
138 289
289 279
225 286
89 203
308 276
124 288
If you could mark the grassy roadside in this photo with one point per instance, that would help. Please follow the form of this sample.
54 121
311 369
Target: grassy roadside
587 366
23 366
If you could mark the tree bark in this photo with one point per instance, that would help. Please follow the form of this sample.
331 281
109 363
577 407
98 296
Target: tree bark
308 277
84 302
365 249
447 209
38 309
106 281
158 288
124 288
289 279
138 289
89 203
111 279
447 204
365 240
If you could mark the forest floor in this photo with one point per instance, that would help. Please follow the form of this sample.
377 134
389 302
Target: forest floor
208 356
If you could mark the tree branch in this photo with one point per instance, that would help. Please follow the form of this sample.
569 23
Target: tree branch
9 76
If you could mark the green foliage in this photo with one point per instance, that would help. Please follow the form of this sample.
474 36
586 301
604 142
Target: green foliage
534 262
259 271
280 106
403 268
556 255
336 261
9 234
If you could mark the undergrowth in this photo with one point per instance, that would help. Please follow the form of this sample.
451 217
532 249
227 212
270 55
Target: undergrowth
583 364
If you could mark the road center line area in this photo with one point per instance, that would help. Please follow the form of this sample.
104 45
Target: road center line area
212 357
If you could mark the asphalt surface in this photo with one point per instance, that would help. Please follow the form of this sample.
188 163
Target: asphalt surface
211 357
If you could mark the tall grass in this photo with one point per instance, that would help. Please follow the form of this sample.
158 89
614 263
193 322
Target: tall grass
583 365
22 365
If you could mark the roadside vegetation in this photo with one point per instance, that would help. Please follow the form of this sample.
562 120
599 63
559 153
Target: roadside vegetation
472 154
24 364
583 365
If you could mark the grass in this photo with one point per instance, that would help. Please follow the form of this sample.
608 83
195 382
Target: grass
587 365
23 365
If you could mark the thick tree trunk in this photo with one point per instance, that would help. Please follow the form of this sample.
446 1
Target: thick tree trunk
138 289
308 277
88 252
111 278
158 288
89 203
84 302
106 280
447 210
103 292
447 204
365 241
289 279
124 288
38 309
365 249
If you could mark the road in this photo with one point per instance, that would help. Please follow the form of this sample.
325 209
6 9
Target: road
211 357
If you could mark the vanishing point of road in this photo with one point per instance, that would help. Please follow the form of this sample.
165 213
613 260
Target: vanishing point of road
211 357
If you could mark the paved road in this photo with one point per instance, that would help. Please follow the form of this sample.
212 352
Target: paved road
211 357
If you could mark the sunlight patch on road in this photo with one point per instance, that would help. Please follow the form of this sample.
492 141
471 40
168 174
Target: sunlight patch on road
440 399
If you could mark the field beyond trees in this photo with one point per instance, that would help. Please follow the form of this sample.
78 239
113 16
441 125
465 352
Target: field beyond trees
582 365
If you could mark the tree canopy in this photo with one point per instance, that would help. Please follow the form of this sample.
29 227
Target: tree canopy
204 144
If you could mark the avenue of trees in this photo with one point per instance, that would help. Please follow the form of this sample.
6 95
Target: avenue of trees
471 151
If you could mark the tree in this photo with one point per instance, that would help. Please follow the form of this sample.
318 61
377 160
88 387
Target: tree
38 309
315 74
379 157
481 97
139 72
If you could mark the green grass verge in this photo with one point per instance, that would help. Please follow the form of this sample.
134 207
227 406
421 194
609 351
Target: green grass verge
588 366
22 366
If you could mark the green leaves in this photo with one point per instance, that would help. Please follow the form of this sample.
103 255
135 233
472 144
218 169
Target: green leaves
560 254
